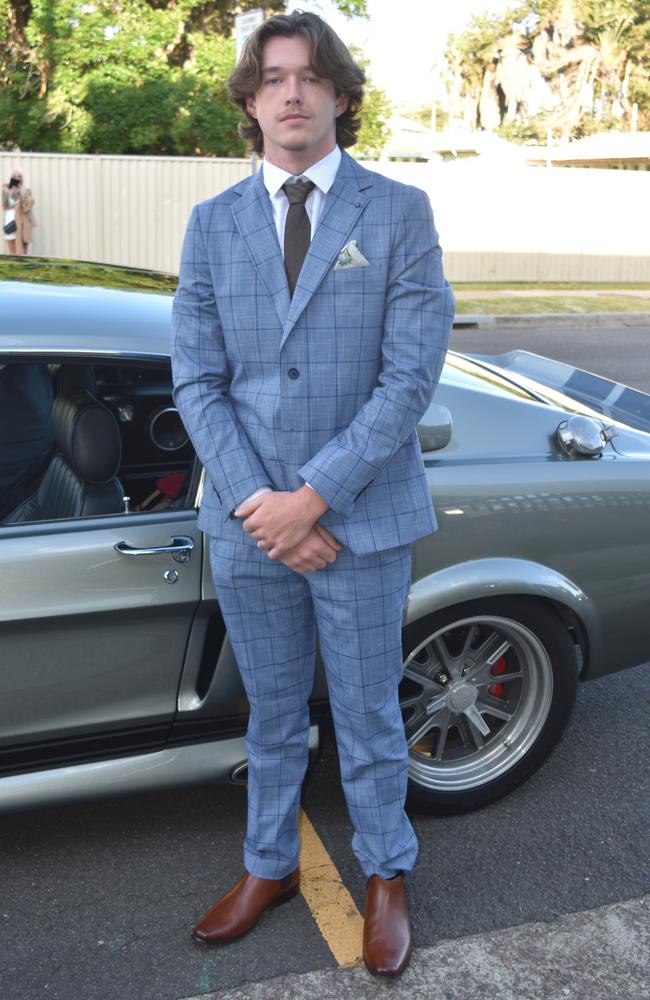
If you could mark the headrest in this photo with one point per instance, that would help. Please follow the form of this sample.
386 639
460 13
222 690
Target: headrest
87 434
74 377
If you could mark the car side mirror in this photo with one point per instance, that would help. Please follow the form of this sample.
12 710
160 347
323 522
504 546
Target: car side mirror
436 433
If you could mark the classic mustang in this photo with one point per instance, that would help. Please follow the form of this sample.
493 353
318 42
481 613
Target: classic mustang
116 673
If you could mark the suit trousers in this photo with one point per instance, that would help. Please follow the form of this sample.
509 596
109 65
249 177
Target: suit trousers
273 615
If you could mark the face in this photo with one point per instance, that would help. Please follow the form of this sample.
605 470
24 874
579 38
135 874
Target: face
296 109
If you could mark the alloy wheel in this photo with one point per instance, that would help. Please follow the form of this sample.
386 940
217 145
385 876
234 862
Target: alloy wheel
475 696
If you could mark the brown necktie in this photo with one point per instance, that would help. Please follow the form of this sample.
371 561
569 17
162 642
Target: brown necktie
297 233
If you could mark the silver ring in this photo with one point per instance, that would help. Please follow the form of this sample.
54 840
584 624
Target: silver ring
259 544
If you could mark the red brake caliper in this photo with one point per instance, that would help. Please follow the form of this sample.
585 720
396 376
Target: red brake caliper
500 667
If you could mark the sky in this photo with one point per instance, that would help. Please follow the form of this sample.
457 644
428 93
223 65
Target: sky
403 50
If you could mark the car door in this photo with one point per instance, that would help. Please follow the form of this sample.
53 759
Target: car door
95 615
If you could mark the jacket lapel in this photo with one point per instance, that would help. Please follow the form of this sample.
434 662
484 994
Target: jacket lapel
346 200
254 220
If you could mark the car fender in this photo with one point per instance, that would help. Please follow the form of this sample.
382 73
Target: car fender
478 579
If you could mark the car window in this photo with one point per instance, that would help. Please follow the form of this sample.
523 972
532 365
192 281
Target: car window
85 440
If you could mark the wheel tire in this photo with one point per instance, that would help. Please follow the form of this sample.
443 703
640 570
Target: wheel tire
456 769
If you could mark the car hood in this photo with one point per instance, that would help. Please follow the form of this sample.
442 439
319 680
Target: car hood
600 396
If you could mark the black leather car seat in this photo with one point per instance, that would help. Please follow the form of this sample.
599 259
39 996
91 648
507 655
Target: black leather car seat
68 376
81 478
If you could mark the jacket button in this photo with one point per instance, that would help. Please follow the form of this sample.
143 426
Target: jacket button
294 373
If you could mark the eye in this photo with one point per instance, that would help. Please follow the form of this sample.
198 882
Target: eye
272 80
312 79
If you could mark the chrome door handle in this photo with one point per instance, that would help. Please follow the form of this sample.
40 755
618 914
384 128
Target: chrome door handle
180 549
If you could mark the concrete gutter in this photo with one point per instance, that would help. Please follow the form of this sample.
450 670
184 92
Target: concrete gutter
554 319
601 954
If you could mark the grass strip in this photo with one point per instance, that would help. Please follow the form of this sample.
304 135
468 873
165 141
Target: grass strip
557 304
549 286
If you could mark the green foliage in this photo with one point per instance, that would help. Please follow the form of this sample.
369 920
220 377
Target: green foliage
48 271
4 20
531 130
478 45
589 125
640 95
124 76
352 8
375 112
614 33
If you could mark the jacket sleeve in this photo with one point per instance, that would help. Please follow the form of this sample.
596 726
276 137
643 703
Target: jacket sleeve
418 319
201 379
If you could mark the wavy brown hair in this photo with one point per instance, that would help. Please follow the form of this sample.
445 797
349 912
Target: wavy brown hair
330 60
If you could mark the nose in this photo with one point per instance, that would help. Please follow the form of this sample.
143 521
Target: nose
293 94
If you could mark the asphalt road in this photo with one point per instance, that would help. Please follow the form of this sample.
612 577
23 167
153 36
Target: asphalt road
96 900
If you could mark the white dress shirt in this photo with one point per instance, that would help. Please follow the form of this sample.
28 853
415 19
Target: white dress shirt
322 174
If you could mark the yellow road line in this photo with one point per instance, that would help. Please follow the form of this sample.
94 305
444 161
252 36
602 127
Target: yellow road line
331 904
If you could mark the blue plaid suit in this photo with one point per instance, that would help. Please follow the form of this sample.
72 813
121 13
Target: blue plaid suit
326 387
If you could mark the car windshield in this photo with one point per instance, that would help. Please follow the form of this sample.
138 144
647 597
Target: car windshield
73 272
462 372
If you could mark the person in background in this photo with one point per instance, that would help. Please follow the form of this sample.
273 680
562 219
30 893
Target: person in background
26 438
18 204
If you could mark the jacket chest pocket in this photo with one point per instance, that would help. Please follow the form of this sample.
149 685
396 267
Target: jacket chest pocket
349 277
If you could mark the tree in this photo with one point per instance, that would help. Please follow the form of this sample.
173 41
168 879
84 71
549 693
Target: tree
570 66
122 76
375 112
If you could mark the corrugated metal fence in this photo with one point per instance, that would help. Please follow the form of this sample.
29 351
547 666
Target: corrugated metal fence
498 222
118 209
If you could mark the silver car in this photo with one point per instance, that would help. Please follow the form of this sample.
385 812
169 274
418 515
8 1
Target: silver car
116 673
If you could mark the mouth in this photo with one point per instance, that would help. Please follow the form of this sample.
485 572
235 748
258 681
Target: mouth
294 118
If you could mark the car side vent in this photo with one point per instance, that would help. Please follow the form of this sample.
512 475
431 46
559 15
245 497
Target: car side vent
214 636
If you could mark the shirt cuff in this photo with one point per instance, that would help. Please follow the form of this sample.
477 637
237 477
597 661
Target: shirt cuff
257 493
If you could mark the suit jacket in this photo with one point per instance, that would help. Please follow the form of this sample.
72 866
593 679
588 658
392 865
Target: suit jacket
326 387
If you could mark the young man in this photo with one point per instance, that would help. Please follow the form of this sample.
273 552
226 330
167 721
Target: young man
310 327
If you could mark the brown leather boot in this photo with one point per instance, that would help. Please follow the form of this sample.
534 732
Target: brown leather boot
240 909
386 927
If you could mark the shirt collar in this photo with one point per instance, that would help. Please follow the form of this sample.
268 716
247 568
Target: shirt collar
321 173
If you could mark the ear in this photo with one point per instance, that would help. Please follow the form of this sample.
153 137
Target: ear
341 104
250 107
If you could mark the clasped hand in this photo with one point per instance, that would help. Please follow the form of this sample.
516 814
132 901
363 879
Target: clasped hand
284 525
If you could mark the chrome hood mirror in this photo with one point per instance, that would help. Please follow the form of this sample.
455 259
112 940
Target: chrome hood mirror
584 436
436 432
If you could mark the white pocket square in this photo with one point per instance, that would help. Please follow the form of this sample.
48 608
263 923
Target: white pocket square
350 256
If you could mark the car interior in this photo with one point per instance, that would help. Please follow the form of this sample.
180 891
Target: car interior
111 442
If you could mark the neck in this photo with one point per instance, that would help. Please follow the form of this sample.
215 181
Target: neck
295 161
